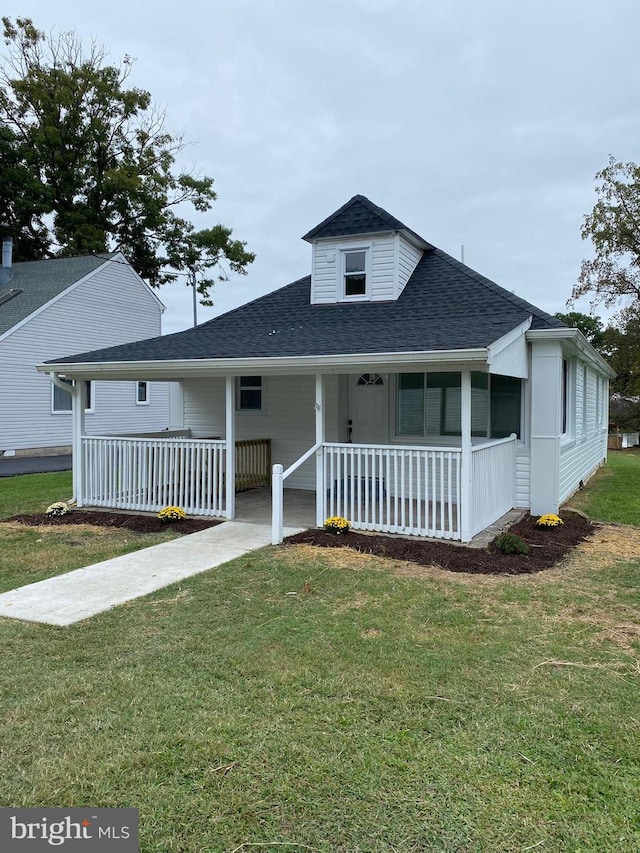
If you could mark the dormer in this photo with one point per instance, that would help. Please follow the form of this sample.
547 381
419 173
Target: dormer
362 254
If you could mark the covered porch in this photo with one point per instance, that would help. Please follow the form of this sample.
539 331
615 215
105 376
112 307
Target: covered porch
449 490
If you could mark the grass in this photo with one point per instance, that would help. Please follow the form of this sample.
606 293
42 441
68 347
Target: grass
299 699
613 494
29 554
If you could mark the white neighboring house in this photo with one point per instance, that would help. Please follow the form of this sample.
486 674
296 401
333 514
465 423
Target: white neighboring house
51 308
411 393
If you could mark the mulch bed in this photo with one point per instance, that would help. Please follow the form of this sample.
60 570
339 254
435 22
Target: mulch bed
123 520
547 547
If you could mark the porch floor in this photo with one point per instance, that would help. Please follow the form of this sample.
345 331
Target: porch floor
254 506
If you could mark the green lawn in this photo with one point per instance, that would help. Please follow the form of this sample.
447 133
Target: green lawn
381 707
613 494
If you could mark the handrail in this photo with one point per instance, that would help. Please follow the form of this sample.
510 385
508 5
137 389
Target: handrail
301 461
277 489
494 442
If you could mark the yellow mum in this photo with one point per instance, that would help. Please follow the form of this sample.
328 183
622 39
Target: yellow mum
549 520
337 524
172 513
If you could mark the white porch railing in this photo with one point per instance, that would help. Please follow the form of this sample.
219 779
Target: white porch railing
493 481
148 474
406 490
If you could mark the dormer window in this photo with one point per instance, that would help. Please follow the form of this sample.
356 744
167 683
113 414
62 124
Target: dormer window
355 273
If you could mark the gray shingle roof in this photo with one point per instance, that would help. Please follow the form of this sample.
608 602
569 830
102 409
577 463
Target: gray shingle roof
444 306
41 281
359 216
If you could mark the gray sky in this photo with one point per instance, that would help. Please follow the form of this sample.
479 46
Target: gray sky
475 123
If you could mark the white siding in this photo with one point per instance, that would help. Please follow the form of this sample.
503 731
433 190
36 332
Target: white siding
523 474
408 257
287 418
112 307
326 284
582 455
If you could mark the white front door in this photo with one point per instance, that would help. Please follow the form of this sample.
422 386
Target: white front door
368 408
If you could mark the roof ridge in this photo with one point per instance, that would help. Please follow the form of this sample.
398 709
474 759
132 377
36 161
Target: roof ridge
102 256
496 288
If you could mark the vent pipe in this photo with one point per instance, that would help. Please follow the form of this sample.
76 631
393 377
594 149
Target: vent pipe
6 270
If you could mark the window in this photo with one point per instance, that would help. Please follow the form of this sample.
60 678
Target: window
430 404
370 379
249 393
354 272
61 400
142 393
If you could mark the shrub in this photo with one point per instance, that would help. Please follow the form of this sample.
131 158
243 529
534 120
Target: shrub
337 524
172 513
57 509
549 520
509 543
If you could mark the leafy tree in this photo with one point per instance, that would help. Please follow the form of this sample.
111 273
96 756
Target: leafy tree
590 326
88 167
621 348
613 226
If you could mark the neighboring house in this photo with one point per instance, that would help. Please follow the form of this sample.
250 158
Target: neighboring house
411 393
54 307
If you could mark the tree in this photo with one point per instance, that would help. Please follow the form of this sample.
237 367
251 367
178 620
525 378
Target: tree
613 226
590 326
88 167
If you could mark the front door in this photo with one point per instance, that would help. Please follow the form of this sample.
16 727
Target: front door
368 408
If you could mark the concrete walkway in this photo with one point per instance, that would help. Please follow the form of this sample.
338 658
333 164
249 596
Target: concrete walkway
77 595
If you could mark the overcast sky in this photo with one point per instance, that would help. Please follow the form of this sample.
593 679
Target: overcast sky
475 123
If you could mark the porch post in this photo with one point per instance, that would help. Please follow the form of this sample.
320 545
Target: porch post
466 479
230 436
78 404
320 438
546 425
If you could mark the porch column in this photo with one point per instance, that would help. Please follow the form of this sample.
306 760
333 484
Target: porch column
320 437
466 479
546 426
79 404
230 436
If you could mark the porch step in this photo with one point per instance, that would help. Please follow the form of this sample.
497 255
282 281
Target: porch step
69 598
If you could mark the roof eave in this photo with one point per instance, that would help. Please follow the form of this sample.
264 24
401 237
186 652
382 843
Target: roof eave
178 369
576 343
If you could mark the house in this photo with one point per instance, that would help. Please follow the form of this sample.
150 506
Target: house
412 394
59 306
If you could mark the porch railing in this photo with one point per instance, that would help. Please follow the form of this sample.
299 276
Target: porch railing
149 474
253 463
406 490
493 481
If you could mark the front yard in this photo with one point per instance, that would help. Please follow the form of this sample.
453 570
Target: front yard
299 699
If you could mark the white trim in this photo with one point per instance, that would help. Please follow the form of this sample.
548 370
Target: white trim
344 249
147 394
577 344
179 369
146 286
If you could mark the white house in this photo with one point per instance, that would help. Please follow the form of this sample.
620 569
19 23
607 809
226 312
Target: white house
410 392
51 308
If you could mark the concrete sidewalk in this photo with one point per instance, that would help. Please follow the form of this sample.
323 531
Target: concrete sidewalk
77 595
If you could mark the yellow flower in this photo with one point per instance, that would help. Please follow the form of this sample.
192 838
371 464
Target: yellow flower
549 520
172 513
337 524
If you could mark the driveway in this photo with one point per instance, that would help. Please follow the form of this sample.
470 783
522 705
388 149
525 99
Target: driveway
10 466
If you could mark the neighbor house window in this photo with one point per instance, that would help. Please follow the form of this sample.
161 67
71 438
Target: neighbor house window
142 393
61 401
249 393
430 404
354 273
